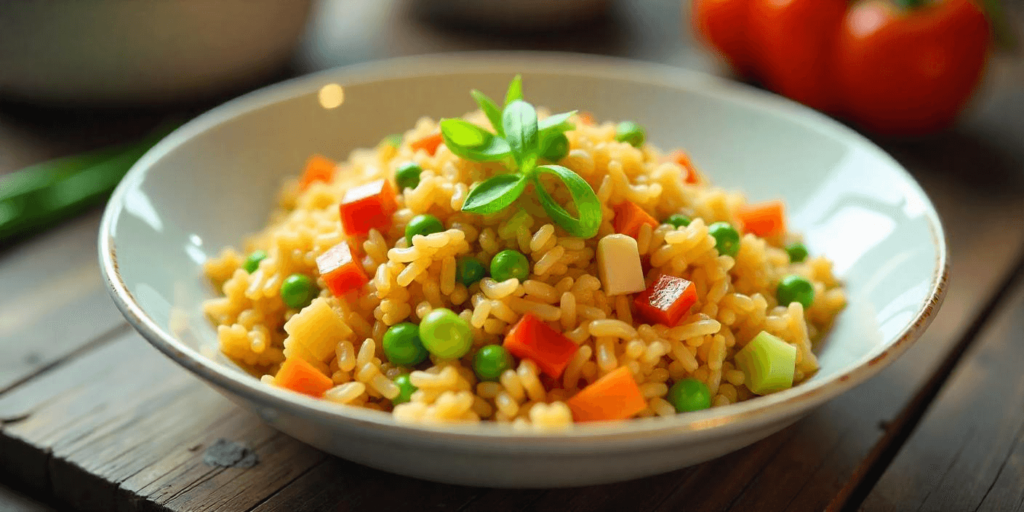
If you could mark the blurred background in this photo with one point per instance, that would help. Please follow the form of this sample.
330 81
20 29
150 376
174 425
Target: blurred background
77 77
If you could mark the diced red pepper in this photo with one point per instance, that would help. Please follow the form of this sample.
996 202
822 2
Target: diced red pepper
533 339
666 300
629 217
428 143
318 168
298 375
763 219
612 397
367 207
683 159
340 269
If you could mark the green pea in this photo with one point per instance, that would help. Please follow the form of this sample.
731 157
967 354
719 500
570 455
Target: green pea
253 261
402 345
405 389
422 225
630 133
688 395
469 270
408 175
556 149
678 220
445 334
727 239
795 289
797 252
298 290
491 361
508 264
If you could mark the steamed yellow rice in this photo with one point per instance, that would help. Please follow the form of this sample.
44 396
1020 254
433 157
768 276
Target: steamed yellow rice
736 295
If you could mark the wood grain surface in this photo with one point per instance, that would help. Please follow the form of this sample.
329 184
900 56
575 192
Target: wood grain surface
93 417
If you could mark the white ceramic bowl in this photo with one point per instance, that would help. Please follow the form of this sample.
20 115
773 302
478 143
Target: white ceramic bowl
125 51
213 181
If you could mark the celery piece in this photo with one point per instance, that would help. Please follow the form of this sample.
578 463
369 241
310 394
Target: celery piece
768 364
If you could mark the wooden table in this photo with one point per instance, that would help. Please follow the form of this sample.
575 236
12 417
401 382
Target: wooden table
92 417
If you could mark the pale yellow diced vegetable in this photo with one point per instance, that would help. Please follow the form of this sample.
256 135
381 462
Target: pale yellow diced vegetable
318 328
618 262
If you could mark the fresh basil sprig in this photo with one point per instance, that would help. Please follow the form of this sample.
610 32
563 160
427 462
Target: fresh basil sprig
519 141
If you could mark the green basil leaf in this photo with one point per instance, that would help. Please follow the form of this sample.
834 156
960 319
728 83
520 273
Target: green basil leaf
472 142
587 204
520 122
490 109
557 122
494 194
515 90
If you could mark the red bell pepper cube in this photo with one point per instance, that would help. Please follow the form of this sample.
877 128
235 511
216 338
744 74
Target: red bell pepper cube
340 269
629 217
367 207
666 300
428 143
533 339
318 168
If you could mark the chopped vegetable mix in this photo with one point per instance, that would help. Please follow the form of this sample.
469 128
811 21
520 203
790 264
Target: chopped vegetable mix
368 207
768 364
300 376
629 217
612 397
763 219
667 300
318 168
533 339
340 269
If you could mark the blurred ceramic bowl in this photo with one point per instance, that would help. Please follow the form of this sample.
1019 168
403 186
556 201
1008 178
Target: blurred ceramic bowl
522 14
122 51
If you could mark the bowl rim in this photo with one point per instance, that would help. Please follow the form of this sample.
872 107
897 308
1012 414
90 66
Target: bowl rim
736 417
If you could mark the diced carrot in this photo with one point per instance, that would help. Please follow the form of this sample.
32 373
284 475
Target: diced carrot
585 118
763 219
666 300
428 143
339 267
318 168
629 217
535 340
367 207
683 159
612 397
298 375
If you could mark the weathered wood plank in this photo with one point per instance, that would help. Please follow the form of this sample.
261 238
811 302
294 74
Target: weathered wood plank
968 453
123 427
54 299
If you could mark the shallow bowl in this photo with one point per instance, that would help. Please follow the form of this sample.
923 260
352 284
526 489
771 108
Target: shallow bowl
214 180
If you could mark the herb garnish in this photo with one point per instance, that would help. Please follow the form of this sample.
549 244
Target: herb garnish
519 141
